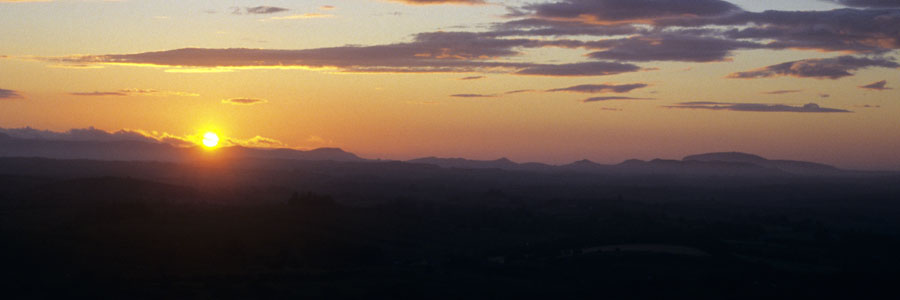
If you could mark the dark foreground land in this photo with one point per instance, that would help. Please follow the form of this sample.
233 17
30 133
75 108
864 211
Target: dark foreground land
132 230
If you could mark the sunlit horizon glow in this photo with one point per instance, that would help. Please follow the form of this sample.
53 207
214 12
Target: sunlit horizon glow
527 80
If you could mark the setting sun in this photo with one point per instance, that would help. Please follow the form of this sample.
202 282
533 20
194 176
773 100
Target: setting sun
210 139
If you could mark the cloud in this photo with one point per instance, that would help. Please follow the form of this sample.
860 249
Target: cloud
601 88
634 11
878 86
9 94
474 95
256 142
98 94
302 16
580 69
134 92
543 27
757 107
868 3
847 30
258 10
612 98
781 92
669 47
244 101
430 2
84 134
23 1
472 78
446 52
134 135
326 7
831 68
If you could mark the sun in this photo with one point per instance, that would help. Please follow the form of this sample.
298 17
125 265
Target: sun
210 139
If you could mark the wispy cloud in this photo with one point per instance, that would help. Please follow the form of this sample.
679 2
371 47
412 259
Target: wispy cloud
9 94
244 101
757 107
137 135
257 10
474 95
444 52
830 68
601 88
98 94
878 86
134 92
868 3
613 98
431 2
472 78
781 92
302 16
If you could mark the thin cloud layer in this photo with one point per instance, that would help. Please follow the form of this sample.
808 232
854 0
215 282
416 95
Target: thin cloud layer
428 53
9 94
92 134
243 101
757 107
670 47
782 92
133 92
613 98
257 10
830 68
601 88
474 95
868 3
98 94
82 134
431 2
580 69
636 11
878 86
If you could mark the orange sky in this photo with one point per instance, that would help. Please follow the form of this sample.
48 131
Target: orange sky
384 79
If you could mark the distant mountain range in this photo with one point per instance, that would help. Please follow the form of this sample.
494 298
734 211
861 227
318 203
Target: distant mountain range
126 150
713 164
710 164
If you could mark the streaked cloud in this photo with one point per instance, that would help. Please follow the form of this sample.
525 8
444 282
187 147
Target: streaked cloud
830 68
134 92
757 107
135 135
474 95
636 11
669 47
580 69
302 16
613 98
782 92
257 10
433 52
9 94
98 94
601 88
472 78
878 86
244 101
868 3
431 2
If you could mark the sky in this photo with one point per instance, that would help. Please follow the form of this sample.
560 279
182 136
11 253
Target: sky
547 81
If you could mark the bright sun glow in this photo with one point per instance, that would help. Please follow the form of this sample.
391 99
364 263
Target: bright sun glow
210 139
